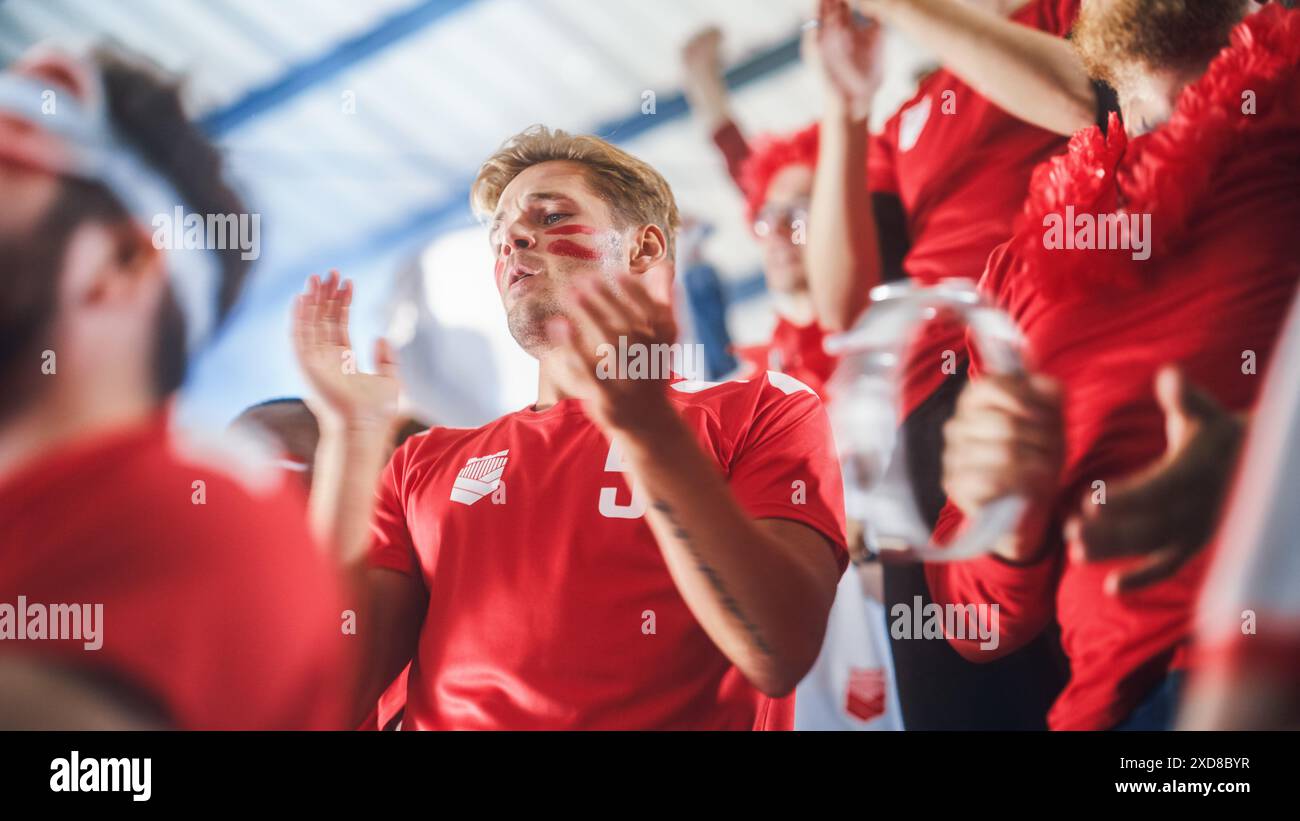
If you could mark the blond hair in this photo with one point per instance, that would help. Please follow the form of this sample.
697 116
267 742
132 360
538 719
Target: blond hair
638 194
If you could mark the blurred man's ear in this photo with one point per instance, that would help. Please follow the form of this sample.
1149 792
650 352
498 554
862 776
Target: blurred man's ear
47 64
111 262
138 254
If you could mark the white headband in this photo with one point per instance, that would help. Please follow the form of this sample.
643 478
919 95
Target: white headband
99 154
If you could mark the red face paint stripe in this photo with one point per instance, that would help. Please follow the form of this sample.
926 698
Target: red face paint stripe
565 248
569 230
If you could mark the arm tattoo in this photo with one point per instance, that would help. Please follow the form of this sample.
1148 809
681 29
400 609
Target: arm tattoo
728 602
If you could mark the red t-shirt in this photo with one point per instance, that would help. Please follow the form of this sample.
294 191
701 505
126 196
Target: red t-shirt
1222 189
550 605
795 350
222 614
960 165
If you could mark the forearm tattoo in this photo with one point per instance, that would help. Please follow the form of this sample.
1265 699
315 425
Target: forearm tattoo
728 601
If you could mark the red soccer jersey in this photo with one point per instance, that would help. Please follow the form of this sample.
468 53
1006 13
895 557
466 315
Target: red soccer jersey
217 608
550 605
795 350
960 165
1221 189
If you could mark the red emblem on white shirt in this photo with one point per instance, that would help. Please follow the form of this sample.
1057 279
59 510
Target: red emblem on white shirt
864 698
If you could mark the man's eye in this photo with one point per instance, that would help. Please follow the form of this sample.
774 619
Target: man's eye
551 219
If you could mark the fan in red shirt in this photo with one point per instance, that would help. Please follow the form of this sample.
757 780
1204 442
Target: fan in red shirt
632 551
948 172
163 588
1199 275
218 611
945 178
941 197
777 178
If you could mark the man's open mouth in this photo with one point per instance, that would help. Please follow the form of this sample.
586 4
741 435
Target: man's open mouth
517 274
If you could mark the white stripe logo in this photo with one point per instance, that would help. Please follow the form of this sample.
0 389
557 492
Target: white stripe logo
480 476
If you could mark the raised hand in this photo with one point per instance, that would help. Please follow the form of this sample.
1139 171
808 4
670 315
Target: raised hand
703 79
589 347
1165 514
324 350
849 56
701 55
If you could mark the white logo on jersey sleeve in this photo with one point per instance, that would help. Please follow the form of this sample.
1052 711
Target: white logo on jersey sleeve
480 476
693 385
787 384
911 123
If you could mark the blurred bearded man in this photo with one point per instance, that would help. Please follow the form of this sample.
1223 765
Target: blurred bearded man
217 610
1168 241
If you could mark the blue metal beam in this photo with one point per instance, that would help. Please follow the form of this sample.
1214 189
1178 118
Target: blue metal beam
342 57
675 107
419 225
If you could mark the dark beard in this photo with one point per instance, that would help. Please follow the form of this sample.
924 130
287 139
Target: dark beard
29 273
30 267
1116 38
168 357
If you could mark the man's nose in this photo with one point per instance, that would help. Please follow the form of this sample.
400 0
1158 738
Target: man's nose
518 238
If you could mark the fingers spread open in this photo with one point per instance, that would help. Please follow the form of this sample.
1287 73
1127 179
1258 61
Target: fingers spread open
574 370
594 325
637 300
339 331
303 333
385 358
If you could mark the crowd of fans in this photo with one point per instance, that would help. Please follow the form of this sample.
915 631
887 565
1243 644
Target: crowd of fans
1120 176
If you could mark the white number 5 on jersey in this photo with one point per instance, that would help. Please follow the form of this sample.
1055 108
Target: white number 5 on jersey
609 506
